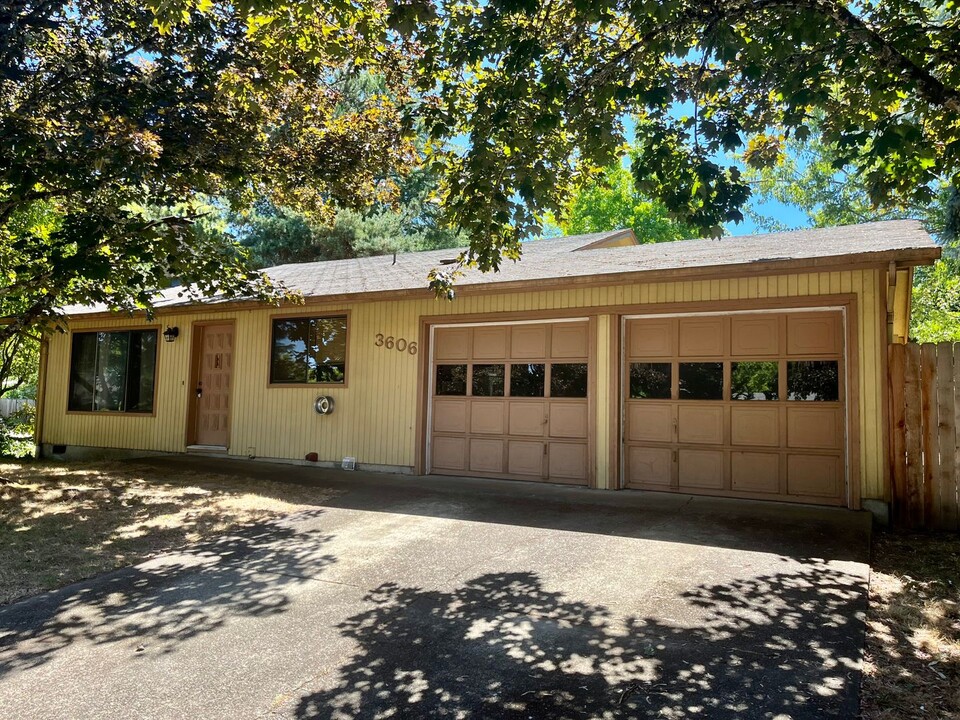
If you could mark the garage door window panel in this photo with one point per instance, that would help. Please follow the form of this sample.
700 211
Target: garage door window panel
650 381
527 380
813 380
701 380
488 380
568 380
754 380
451 380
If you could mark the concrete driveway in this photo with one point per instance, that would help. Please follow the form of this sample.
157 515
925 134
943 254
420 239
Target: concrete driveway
430 597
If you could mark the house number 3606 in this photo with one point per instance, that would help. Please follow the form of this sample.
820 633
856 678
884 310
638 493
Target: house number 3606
399 344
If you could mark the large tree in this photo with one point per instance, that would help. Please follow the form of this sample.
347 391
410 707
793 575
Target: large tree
811 177
612 202
541 88
277 235
110 107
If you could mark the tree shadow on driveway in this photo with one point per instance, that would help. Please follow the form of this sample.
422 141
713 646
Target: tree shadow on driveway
163 602
502 645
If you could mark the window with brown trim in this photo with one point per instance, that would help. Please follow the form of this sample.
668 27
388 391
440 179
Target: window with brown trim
309 350
113 371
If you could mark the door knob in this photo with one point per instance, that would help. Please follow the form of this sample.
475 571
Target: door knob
199 391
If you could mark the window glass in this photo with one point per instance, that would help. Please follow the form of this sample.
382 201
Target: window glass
568 380
488 380
309 350
701 381
650 380
754 380
451 380
113 371
142 373
813 380
527 380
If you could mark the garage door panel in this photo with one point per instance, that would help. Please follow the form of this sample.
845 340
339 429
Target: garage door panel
755 472
814 427
700 425
528 342
776 425
650 422
701 468
568 460
486 417
652 339
451 344
450 415
525 458
814 475
701 337
650 466
449 453
568 420
527 418
752 425
490 343
569 340
486 455
816 334
755 336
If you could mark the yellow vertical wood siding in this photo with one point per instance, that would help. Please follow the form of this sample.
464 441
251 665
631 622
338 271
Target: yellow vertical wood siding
376 415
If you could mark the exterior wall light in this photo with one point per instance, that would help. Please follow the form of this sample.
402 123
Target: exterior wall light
171 334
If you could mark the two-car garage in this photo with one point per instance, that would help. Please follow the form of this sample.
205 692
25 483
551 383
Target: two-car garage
742 403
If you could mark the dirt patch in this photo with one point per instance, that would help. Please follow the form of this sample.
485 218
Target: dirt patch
60 523
912 666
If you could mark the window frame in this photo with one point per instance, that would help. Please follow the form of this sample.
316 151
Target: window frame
156 328
312 316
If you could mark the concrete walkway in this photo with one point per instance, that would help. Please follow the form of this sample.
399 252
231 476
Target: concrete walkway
435 597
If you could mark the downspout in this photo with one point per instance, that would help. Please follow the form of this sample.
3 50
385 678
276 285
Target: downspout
41 394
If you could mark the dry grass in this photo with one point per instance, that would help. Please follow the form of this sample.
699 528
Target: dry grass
912 667
63 523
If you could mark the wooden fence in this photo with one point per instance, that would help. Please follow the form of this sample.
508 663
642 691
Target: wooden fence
925 435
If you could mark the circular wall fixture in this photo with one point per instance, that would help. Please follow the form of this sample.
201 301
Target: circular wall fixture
323 405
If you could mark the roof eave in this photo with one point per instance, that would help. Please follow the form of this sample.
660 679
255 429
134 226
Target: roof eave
911 257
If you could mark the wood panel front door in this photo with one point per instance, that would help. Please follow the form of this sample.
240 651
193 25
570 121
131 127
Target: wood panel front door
212 426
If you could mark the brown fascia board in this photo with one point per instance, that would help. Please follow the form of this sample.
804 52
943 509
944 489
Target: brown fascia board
875 260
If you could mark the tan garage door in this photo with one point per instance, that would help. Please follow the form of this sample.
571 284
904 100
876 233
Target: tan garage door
511 401
747 405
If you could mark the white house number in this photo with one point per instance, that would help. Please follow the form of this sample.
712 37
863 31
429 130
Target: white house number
399 344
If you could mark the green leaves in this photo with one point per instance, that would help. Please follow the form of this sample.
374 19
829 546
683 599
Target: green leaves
545 87
107 107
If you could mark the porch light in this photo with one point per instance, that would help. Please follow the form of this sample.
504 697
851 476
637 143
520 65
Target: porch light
171 334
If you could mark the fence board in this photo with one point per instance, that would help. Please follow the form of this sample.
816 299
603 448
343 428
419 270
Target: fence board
946 418
930 437
952 493
898 429
912 437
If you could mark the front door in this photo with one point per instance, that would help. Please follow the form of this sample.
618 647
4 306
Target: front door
215 360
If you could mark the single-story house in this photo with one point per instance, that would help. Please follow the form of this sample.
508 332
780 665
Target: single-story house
750 367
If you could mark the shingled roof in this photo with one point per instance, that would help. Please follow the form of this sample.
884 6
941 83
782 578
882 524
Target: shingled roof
610 256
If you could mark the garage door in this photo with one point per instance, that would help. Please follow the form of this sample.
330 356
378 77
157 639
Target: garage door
511 401
748 405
